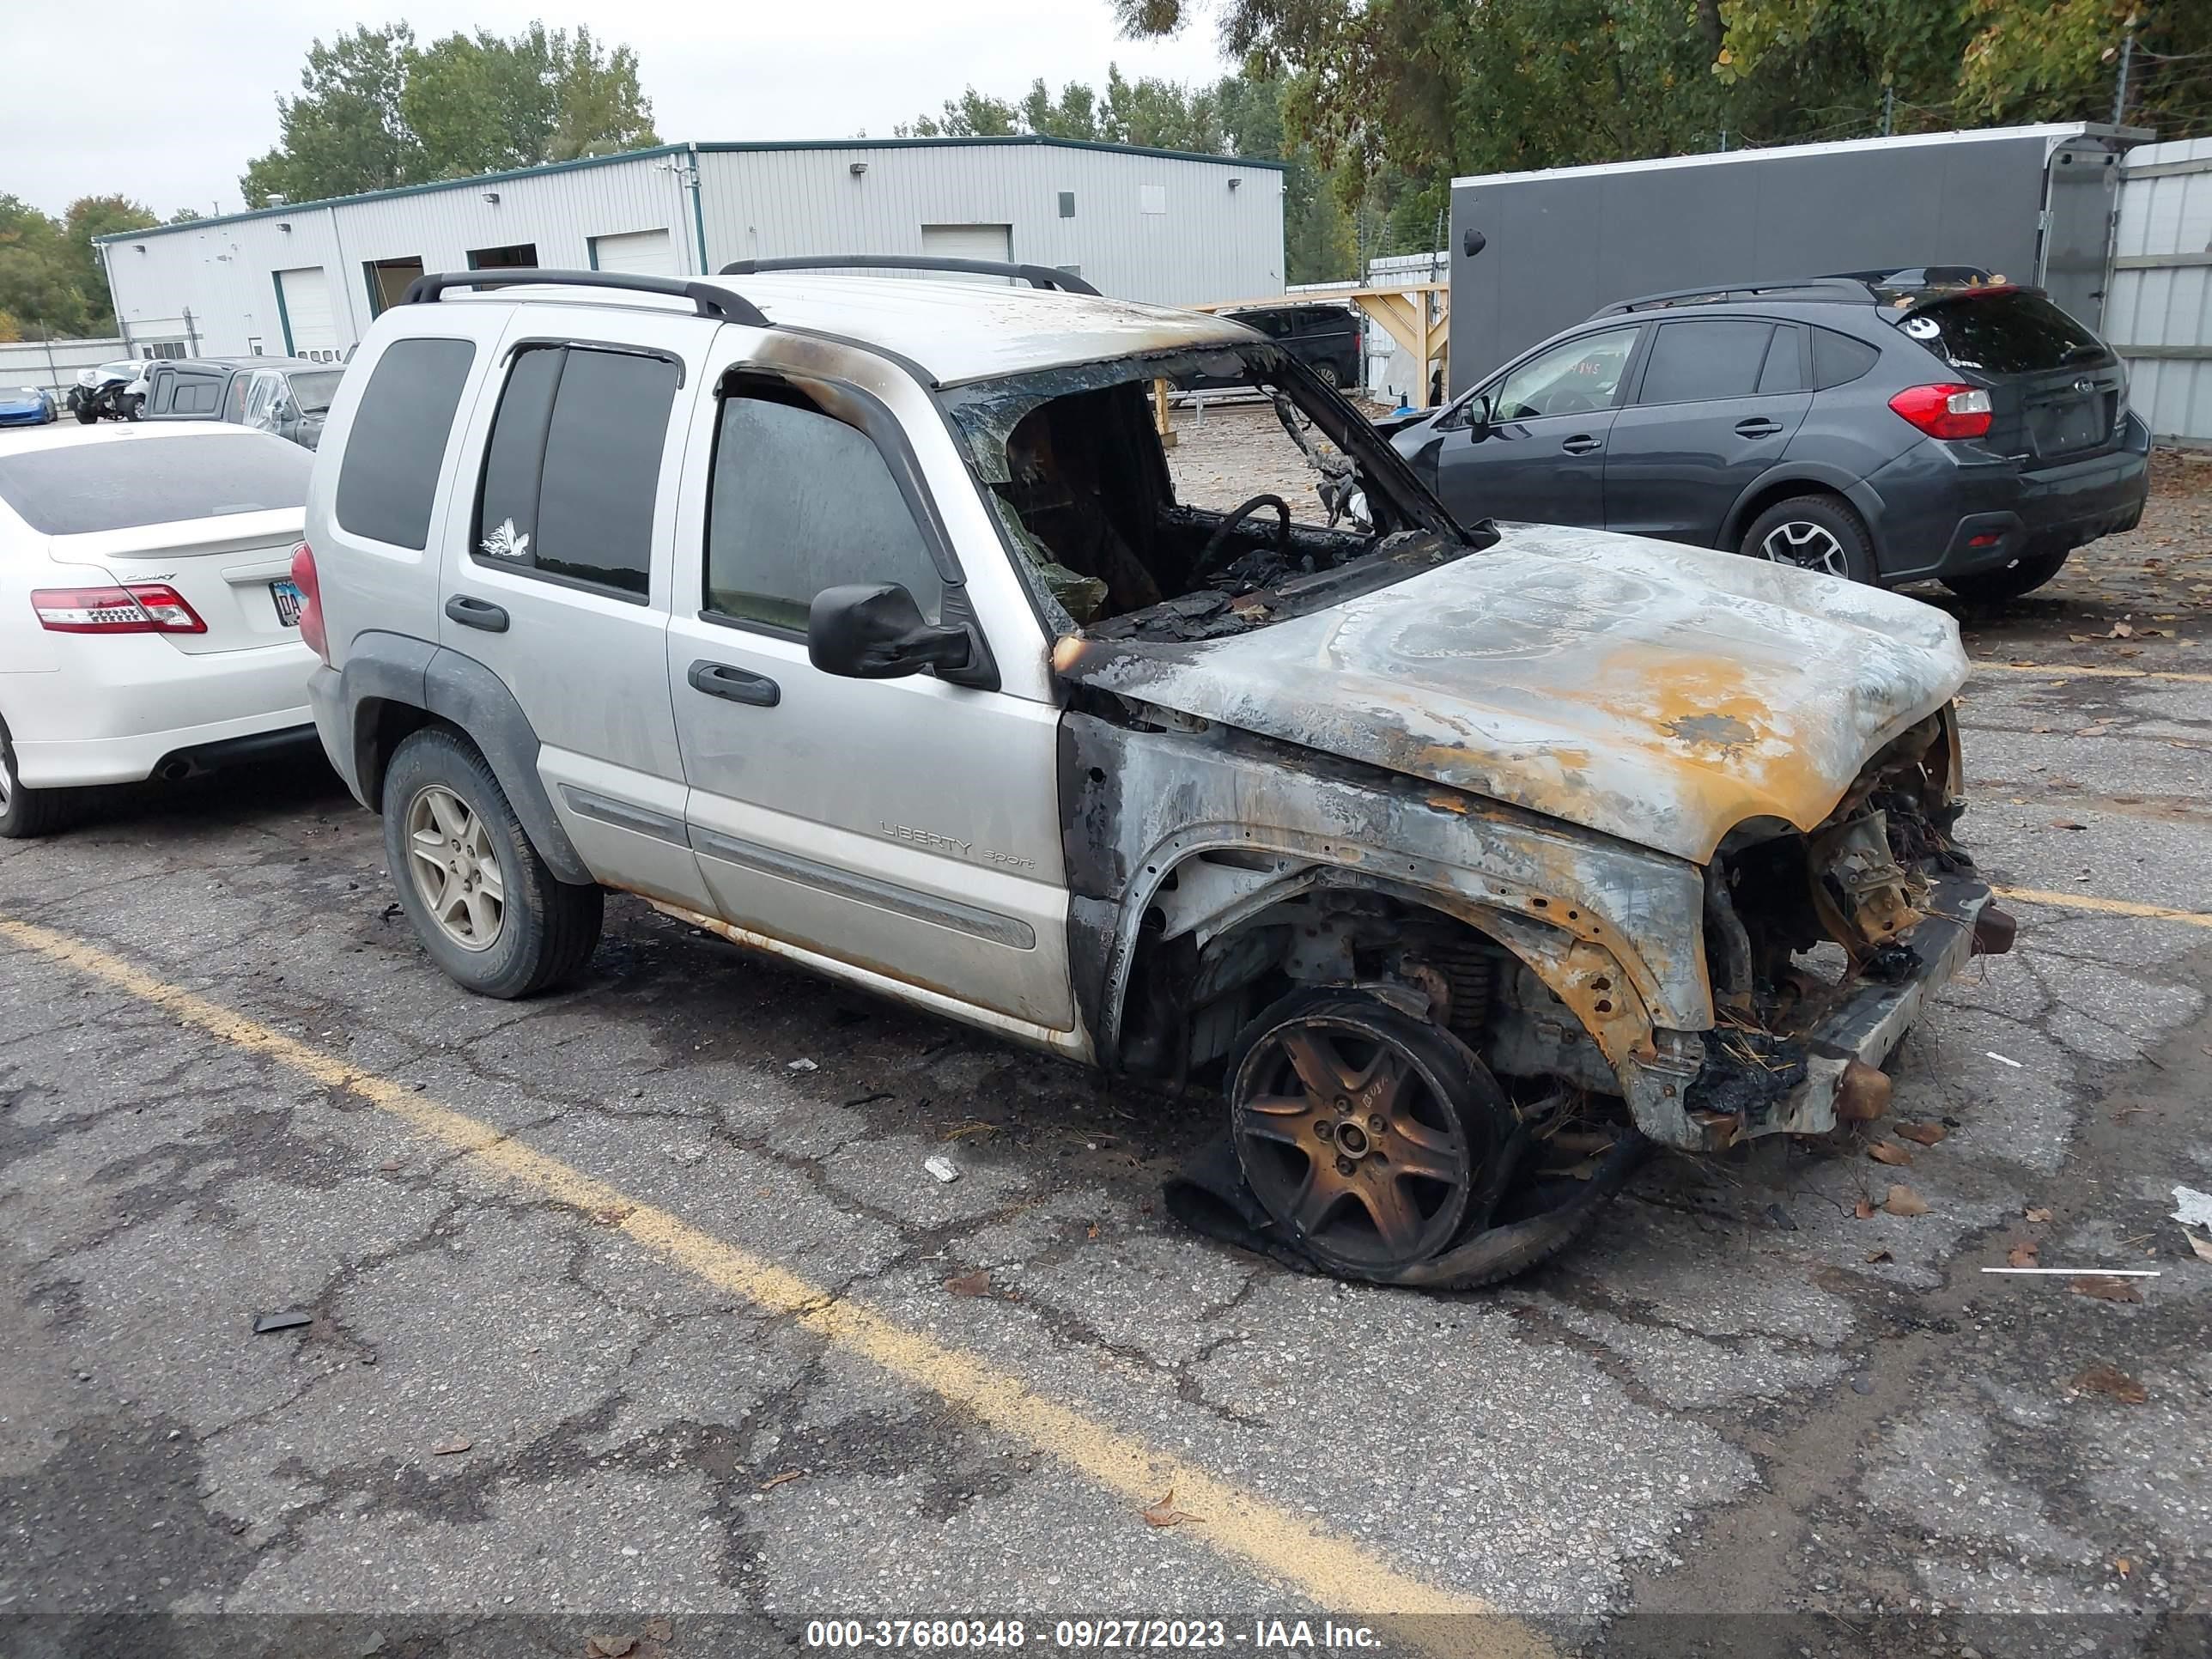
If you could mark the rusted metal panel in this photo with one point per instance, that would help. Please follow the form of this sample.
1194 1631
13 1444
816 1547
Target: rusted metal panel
1659 694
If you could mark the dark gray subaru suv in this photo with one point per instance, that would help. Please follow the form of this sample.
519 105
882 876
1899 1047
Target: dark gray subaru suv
1875 426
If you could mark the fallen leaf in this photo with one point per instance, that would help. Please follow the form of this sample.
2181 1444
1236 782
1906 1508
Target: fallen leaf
1879 1255
2121 631
2067 824
449 1446
1863 1209
2021 1254
2122 1565
2201 1246
2038 1215
975 1284
2106 1288
1903 1201
1091 1231
1165 1514
609 1647
1888 1152
775 1480
615 1215
2104 1379
1927 1135
659 1630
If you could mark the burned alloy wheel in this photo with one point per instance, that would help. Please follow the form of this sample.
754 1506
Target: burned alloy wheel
1364 1131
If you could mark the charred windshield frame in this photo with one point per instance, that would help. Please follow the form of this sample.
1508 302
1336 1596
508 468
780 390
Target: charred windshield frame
984 416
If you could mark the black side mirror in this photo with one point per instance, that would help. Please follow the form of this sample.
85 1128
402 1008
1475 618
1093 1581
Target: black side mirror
875 631
1473 242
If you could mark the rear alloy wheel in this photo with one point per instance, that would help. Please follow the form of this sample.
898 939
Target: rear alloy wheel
483 902
27 813
2023 575
1363 1131
1329 376
1819 533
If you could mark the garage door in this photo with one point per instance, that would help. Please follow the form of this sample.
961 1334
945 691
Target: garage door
969 242
309 328
640 252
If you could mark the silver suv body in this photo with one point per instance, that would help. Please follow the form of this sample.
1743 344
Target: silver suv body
855 619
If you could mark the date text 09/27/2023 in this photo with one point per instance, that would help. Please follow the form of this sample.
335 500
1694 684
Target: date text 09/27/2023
1091 1634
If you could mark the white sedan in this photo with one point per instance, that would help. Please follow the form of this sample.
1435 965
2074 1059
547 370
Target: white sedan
149 625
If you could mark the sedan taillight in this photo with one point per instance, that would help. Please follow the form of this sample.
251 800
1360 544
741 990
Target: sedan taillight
1945 410
304 578
133 607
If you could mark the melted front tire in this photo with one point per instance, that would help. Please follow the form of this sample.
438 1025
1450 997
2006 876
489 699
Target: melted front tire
1370 1136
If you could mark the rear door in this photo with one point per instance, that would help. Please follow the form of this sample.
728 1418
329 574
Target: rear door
555 571
1718 401
1541 457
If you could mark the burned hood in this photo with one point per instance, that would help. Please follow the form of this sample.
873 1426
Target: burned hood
1659 693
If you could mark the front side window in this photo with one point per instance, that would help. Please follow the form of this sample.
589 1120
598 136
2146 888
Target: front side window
799 502
396 444
1573 378
1697 363
573 466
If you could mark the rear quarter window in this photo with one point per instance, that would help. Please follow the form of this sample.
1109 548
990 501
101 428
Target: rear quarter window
1839 359
397 445
82 490
2002 334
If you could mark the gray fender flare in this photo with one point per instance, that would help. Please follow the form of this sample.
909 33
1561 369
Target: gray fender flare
466 695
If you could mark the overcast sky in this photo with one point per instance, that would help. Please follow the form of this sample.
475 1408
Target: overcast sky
176 97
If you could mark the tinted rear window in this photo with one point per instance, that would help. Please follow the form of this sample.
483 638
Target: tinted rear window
1694 363
397 443
2002 334
83 489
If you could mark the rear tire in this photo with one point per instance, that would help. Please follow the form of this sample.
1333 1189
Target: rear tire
1329 376
2023 575
1821 533
27 813
484 904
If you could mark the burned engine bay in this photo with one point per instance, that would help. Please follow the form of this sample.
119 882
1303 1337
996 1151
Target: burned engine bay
1073 464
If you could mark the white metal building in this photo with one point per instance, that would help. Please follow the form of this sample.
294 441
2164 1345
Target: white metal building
307 277
2159 314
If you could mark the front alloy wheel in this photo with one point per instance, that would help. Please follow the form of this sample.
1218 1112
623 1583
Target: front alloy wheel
455 868
1359 1133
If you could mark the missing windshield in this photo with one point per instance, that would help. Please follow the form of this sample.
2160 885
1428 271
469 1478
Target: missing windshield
1074 466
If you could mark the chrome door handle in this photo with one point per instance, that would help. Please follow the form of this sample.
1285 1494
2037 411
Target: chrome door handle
477 613
1581 444
718 679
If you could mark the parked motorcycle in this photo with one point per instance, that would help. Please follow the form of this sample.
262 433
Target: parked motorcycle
116 391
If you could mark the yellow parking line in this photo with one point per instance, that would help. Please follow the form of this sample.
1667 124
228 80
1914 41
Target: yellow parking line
2067 670
1341 1576
2107 906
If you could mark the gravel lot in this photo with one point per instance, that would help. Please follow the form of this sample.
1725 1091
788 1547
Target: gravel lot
563 1393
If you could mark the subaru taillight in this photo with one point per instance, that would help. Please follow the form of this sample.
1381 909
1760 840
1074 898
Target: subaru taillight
1945 410
311 601
129 608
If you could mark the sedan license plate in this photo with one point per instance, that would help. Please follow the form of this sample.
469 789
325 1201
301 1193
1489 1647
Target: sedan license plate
287 596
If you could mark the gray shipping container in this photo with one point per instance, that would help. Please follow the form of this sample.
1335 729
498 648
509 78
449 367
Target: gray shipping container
2033 203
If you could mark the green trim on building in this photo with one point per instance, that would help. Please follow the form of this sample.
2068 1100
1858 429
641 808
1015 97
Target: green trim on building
283 313
478 180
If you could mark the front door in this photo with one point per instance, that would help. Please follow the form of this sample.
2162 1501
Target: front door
1717 403
905 830
1542 456
557 573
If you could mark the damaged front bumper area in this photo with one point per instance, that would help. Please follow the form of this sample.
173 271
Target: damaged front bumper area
1822 950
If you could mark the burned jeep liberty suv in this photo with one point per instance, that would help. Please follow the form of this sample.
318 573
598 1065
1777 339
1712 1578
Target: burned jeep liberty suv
857 619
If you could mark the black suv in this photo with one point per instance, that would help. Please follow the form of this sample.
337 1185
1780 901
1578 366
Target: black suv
287 396
1325 339
1889 427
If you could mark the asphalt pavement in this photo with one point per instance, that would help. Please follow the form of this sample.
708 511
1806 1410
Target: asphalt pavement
637 1326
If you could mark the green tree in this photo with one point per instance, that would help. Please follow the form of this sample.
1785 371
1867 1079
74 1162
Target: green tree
375 110
98 215
971 115
37 285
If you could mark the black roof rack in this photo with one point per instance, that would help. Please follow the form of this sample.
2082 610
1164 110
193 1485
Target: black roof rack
1034 275
712 300
1830 287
